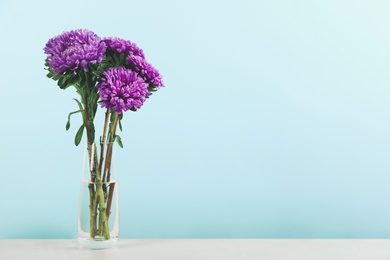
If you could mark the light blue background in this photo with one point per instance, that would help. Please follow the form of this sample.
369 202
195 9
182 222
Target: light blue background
274 122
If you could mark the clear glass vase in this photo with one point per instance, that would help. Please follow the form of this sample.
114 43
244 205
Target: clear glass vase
98 218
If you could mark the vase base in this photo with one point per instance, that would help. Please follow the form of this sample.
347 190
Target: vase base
97 243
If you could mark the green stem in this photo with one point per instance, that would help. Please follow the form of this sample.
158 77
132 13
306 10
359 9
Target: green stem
92 194
92 209
97 198
103 219
108 168
107 165
88 95
103 141
109 200
102 210
102 144
93 216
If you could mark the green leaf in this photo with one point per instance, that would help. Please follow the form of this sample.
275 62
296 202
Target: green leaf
120 121
112 116
95 70
50 74
152 88
122 60
73 80
79 135
110 128
93 98
80 108
62 82
79 103
96 73
91 132
120 125
118 139
66 80
71 113
112 120
57 76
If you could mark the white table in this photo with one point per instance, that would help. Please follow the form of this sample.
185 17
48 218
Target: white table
182 249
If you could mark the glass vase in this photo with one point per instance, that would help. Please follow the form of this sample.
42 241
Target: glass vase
98 218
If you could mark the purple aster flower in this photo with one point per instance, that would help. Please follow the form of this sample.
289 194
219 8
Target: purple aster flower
118 45
74 49
145 70
122 89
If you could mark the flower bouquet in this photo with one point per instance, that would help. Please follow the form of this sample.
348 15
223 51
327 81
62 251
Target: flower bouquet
114 73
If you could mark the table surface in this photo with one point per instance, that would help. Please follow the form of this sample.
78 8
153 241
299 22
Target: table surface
224 249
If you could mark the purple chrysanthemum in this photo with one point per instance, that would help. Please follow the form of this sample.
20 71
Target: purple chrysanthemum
74 49
122 89
145 70
118 45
